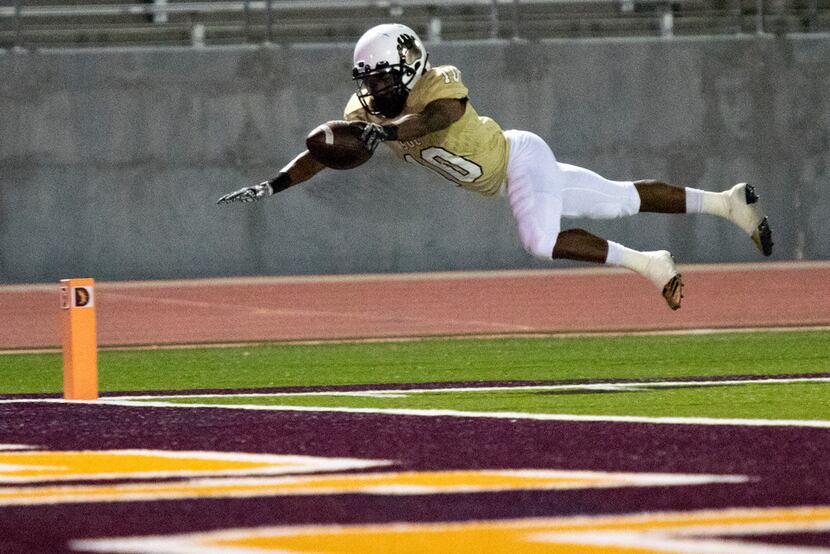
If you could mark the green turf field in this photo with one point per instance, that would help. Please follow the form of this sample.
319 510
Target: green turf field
475 361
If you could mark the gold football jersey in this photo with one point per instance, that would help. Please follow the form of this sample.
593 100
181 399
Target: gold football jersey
472 152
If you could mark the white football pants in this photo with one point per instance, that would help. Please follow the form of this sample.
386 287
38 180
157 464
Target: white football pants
541 191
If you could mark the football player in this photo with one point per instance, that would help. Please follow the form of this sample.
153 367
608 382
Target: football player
424 115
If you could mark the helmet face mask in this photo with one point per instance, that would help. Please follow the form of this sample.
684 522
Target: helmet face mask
382 92
388 61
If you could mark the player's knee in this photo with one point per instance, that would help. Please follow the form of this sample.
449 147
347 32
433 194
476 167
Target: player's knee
626 204
593 197
539 245
630 204
610 211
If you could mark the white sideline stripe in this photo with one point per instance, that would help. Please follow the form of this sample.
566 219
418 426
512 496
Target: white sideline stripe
427 276
450 413
403 393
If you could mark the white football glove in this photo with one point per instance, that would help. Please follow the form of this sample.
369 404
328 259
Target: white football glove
248 194
373 134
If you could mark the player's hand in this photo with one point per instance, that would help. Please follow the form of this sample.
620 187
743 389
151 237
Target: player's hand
373 134
248 194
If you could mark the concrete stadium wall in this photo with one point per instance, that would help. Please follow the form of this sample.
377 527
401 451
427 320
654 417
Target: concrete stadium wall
110 161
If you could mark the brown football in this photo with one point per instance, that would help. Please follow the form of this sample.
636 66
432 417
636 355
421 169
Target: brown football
337 145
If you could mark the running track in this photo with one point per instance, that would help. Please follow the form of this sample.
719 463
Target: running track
779 294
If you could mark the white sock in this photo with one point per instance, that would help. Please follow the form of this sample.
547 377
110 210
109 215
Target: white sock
705 202
694 201
626 257
658 272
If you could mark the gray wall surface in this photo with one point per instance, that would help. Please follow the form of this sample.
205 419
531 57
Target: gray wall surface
111 161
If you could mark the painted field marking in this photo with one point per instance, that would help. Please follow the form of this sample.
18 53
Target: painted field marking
679 532
405 392
35 466
819 424
155 401
392 483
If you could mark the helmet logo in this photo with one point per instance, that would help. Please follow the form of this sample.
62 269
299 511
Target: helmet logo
408 48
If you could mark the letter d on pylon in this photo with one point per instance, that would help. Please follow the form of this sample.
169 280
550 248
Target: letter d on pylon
80 348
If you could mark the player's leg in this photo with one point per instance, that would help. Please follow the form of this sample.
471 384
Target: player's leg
534 195
535 190
587 194
657 266
739 205
659 197
581 246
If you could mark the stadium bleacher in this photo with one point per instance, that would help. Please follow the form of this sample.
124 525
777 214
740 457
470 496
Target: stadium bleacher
32 24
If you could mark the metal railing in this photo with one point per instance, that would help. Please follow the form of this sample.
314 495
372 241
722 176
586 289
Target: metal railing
239 21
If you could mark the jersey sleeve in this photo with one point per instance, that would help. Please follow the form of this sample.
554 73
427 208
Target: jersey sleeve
439 83
354 110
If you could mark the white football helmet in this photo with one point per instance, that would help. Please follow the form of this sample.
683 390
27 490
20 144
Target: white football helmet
388 61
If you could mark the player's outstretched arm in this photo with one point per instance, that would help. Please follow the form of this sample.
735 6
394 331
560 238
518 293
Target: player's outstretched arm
436 116
302 168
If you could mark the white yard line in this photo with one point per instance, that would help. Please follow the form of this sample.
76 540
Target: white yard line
404 392
156 401
447 413
454 413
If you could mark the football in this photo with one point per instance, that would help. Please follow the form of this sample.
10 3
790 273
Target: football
337 145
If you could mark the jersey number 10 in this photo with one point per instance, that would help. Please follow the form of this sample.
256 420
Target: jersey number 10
450 166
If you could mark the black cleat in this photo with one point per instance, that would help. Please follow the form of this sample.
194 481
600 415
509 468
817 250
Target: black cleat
749 192
745 212
762 237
